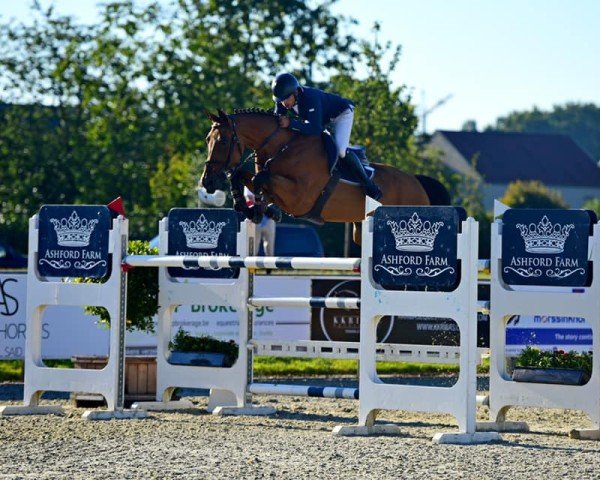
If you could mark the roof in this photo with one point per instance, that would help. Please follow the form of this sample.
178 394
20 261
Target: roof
505 157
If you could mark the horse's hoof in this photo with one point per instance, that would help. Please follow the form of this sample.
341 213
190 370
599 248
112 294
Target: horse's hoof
255 214
274 212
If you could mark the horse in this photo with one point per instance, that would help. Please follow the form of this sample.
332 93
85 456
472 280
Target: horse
292 171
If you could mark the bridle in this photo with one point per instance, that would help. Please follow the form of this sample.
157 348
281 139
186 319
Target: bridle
235 141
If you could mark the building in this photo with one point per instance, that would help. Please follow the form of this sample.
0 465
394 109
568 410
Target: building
501 158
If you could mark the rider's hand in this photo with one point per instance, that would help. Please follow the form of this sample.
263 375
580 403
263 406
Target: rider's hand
284 122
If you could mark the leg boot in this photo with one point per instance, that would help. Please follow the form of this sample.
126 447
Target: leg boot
353 162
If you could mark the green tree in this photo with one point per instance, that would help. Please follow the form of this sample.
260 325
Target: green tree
173 184
594 205
91 112
43 150
532 194
581 121
385 120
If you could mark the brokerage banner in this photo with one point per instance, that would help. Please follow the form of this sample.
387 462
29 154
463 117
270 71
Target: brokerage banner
69 331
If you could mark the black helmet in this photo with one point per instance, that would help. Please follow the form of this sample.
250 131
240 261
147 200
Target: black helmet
283 86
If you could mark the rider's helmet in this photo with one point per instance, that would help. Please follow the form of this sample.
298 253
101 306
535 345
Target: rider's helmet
283 86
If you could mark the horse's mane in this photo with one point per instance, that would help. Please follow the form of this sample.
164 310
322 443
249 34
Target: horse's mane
257 111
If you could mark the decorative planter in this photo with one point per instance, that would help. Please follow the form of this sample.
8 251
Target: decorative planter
561 376
199 359
140 378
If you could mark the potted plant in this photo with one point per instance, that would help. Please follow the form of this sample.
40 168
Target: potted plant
142 307
204 350
556 366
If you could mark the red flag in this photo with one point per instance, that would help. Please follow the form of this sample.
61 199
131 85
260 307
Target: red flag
117 206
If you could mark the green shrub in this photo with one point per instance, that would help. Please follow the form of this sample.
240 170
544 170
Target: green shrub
534 357
532 194
184 342
142 292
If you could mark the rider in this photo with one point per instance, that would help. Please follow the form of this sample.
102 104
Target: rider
315 110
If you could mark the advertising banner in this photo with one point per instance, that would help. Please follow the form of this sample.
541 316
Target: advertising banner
546 247
69 331
66 331
344 325
415 247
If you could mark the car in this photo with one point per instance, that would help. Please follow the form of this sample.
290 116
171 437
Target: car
10 258
296 240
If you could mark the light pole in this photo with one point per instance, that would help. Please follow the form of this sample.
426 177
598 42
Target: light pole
427 111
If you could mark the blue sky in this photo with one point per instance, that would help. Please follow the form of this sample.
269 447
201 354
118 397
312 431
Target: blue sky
491 56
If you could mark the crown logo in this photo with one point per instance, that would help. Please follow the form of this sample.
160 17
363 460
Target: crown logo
415 235
73 231
545 237
202 233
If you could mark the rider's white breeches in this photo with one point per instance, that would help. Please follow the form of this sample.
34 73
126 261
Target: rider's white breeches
342 127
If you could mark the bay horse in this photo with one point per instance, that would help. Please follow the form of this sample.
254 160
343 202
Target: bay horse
292 172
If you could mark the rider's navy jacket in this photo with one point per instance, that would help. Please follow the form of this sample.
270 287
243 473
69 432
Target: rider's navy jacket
315 109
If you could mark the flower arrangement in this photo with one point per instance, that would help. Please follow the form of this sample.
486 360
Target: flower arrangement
534 357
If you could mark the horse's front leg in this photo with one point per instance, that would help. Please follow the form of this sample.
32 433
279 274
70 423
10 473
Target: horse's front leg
283 194
237 180
261 181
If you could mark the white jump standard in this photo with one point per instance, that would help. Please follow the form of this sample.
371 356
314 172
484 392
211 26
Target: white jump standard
74 233
461 304
231 387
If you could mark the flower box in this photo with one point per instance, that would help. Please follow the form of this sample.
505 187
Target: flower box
140 379
198 359
202 351
561 376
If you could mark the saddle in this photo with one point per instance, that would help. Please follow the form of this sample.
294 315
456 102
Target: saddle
345 174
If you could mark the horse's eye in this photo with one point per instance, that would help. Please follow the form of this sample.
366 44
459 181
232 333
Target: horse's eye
222 140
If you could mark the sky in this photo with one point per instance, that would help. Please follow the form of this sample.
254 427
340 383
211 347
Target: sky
463 59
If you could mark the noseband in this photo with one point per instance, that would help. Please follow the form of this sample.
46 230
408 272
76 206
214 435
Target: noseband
235 141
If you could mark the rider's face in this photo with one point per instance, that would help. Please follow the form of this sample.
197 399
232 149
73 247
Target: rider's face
290 101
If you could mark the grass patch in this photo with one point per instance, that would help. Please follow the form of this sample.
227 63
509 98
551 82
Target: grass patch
286 366
12 370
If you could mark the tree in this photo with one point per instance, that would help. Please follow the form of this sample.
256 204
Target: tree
91 112
594 205
385 121
532 194
581 121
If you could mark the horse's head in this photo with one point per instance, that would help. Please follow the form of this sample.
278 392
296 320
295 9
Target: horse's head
224 150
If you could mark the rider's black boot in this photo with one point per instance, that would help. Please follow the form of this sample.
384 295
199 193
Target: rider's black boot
353 162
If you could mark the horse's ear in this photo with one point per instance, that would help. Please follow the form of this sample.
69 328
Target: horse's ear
211 116
223 117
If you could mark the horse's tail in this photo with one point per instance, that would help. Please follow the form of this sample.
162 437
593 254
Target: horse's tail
437 193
